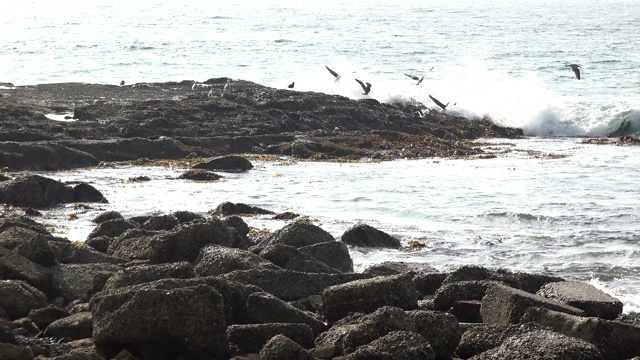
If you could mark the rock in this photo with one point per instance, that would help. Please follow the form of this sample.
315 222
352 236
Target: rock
263 307
632 318
333 253
523 281
614 339
15 352
77 280
81 354
288 257
199 175
6 334
129 148
190 317
160 222
291 285
180 244
229 208
112 228
87 193
44 316
237 223
503 305
7 222
34 191
18 298
250 338
299 234
287 215
100 243
106 216
226 163
16 267
482 337
218 260
450 292
363 235
141 274
387 268
403 345
467 311
39 156
67 252
281 347
359 329
368 295
28 243
583 296
73 327
542 345
428 283
440 329
185 216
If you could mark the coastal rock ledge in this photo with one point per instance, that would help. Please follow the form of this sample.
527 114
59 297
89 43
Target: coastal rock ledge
171 121
189 286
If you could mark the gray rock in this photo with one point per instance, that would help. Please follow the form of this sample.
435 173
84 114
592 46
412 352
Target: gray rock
281 347
141 274
77 280
17 267
614 339
67 252
87 193
523 281
288 257
44 316
43 156
7 222
364 235
73 327
291 285
368 295
333 253
250 338
15 352
185 216
482 337
542 345
112 228
228 208
106 216
226 163
583 296
40 192
28 243
403 345
199 175
237 223
440 329
299 234
190 317
100 243
161 222
218 260
263 307
503 305
18 298
359 329
6 334
451 292
427 283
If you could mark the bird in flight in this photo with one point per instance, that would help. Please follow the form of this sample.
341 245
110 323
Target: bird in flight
416 78
335 74
366 88
291 85
439 103
575 68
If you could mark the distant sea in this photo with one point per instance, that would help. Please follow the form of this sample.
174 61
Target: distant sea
574 215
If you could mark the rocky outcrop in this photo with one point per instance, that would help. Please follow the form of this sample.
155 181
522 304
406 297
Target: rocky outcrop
583 296
364 235
226 163
41 192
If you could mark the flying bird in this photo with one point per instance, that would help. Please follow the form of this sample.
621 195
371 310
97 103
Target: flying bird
439 103
335 74
291 85
366 88
416 78
575 68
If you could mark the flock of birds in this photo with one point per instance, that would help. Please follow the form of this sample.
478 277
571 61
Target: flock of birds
366 86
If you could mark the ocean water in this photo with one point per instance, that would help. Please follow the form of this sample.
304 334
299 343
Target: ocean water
550 204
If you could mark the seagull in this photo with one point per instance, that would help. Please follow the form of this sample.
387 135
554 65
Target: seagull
335 74
194 86
122 83
227 85
365 88
443 106
210 94
575 68
291 85
416 78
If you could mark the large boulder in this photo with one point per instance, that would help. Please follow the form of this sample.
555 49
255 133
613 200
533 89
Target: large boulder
190 317
615 340
17 267
403 345
542 345
523 281
333 253
226 163
263 307
583 296
298 234
281 347
368 295
228 208
481 337
43 156
364 235
288 257
440 329
503 305
140 274
40 192
28 243
112 228
450 292
250 338
73 327
18 298
217 260
44 316
77 280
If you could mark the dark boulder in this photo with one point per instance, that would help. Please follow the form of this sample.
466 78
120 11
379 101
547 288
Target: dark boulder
199 175
226 163
440 329
229 208
160 222
363 235
28 243
44 316
250 338
298 234
218 260
402 345
106 216
141 274
16 267
112 228
73 327
18 298
77 280
263 307
34 191
87 193
333 253
281 347
288 257
584 296
43 156
524 281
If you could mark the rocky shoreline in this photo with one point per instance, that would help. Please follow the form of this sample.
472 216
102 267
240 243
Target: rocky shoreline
184 285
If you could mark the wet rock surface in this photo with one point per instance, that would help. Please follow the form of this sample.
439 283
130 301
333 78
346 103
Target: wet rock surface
170 120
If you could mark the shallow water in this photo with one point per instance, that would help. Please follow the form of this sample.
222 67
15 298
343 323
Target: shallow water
553 206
